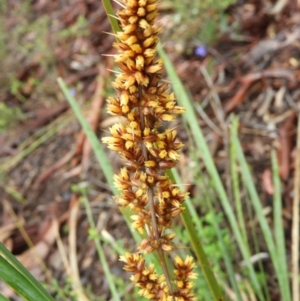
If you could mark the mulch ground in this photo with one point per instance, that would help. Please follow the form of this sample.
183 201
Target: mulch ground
252 71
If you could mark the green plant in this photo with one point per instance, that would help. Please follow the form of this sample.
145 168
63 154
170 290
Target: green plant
15 275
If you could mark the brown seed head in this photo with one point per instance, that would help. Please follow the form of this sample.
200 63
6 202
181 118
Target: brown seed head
144 105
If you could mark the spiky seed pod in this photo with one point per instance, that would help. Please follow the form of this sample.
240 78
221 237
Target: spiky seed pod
143 104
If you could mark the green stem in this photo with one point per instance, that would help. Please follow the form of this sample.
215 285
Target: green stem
110 13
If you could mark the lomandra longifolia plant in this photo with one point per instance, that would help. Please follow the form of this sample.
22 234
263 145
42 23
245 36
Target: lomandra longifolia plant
148 148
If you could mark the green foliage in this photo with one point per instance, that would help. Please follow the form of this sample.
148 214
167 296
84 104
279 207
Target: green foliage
210 238
15 275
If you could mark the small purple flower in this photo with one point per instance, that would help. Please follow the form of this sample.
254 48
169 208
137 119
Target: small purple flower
200 51
72 91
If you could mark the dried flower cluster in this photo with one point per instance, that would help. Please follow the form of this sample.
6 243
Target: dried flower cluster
143 104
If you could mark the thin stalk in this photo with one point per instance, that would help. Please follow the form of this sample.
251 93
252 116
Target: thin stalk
278 219
110 12
236 190
295 223
252 216
160 252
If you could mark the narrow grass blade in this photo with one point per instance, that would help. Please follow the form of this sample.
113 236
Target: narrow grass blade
21 269
23 285
248 180
201 256
18 282
278 225
192 121
253 237
110 13
236 190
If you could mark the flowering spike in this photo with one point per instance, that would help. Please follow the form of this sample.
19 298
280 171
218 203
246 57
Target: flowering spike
144 104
